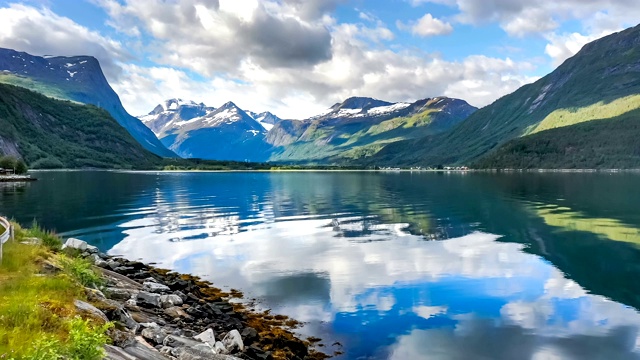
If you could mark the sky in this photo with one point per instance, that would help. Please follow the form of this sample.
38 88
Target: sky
296 58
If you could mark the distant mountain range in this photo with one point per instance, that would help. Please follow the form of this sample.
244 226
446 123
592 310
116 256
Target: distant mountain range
79 79
194 130
356 127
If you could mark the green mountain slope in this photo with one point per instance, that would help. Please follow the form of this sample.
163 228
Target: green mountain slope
601 82
79 79
359 127
609 144
49 133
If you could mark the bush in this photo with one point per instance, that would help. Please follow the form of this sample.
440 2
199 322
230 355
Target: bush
82 271
85 341
49 238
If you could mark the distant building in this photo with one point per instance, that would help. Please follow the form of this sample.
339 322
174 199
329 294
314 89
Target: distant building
6 171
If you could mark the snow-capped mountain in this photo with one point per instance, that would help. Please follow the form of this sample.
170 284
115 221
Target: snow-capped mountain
266 119
175 112
360 126
165 116
194 130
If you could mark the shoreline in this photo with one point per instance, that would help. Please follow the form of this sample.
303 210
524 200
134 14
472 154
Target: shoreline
386 171
16 178
161 308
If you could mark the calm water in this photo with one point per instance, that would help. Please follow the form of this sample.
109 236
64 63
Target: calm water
392 266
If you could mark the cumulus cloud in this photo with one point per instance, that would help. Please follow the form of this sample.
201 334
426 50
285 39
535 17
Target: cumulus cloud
39 31
304 62
428 26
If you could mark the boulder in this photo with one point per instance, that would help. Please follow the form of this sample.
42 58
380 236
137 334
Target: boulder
92 249
249 335
167 301
207 337
181 295
154 334
154 287
179 341
176 313
255 352
147 299
50 268
219 348
233 341
75 244
187 353
117 293
90 310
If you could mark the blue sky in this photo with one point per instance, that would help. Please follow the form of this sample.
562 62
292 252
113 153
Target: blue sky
297 57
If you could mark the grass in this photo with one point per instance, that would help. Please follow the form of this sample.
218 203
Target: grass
38 319
599 111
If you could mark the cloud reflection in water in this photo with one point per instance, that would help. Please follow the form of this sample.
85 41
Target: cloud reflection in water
388 294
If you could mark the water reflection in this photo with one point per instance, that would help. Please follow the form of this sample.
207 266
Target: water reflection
393 266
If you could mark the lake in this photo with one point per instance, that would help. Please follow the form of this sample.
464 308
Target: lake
388 265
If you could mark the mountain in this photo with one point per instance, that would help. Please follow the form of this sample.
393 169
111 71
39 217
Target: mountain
601 83
359 127
79 79
266 119
164 117
50 133
196 131
355 128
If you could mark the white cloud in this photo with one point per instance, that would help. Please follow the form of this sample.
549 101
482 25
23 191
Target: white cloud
430 26
562 47
39 31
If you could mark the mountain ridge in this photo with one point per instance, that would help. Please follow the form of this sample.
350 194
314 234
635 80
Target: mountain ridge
604 71
75 78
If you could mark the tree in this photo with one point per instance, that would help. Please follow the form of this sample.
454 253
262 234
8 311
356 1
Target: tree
21 167
7 162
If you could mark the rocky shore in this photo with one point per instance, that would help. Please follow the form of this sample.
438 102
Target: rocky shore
161 314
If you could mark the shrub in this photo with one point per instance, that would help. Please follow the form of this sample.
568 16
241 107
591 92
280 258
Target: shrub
86 342
49 238
82 270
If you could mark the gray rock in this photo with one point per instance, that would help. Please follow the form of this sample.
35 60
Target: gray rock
75 244
148 299
154 334
154 287
50 268
207 337
91 310
181 295
118 293
219 348
140 351
176 313
125 318
179 341
92 249
116 353
151 325
204 348
233 341
249 335
130 304
187 353
98 261
167 301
